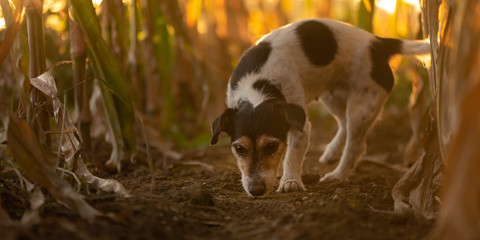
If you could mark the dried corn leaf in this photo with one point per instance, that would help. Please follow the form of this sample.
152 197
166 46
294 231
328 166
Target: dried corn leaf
460 123
70 144
99 101
460 213
419 103
99 126
28 152
418 189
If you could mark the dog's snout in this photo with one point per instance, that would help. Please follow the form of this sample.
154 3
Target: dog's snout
257 189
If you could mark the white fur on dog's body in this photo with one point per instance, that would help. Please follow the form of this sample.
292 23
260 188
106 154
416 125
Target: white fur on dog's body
337 85
288 62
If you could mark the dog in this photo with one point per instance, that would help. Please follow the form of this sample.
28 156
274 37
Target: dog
344 67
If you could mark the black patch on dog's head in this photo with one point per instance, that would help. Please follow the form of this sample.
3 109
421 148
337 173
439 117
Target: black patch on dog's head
252 61
317 41
381 49
272 117
269 88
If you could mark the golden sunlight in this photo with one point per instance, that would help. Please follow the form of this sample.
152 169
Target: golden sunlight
2 23
414 3
387 5
55 22
53 6
98 2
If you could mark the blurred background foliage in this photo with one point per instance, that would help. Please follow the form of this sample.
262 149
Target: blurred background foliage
168 62
176 56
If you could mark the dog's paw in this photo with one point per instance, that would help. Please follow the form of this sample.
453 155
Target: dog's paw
332 153
328 159
291 185
333 176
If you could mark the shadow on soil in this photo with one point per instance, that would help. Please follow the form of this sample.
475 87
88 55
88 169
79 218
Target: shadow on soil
197 202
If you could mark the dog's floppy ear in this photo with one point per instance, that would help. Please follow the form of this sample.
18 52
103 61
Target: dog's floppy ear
295 116
224 123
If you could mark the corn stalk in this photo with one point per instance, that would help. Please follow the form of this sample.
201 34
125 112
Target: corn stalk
116 96
78 53
454 31
133 54
164 53
36 46
13 25
458 80
151 69
418 189
115 29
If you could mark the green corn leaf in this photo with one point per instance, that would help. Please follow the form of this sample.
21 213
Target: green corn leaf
365 14
106 67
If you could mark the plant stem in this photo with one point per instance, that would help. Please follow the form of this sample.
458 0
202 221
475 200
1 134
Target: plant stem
365 14
36 47
78 53
133 54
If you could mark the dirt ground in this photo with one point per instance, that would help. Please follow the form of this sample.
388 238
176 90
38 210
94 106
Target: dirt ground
207 201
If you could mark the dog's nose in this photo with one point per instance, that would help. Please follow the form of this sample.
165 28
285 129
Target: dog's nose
257 189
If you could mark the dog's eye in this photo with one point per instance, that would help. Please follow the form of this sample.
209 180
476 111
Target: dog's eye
241 150
271 148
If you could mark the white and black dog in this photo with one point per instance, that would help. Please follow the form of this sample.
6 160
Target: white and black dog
316 59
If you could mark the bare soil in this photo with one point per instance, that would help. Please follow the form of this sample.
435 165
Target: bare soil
197 202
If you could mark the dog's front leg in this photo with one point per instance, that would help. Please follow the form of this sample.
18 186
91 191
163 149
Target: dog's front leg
292 164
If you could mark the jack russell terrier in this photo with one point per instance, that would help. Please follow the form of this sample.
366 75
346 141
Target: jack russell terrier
315 59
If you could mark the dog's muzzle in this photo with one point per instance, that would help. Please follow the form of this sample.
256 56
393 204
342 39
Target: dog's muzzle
257 188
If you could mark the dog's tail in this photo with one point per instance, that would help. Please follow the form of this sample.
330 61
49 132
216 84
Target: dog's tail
418 48
392 46
415 47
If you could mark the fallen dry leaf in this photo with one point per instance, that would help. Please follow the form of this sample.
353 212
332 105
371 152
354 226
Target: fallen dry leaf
70 141
28 152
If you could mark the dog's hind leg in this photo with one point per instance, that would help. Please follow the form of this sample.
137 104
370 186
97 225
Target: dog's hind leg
362 110
335 103
292 164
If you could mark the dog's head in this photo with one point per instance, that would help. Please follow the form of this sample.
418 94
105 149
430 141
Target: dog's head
259 139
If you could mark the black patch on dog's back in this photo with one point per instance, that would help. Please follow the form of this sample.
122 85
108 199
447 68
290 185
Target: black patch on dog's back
252 61
317 41
381 49
268 89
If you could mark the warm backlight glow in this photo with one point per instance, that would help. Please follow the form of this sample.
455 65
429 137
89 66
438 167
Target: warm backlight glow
53 6
2 23
387 5
414 3
97 2
390 5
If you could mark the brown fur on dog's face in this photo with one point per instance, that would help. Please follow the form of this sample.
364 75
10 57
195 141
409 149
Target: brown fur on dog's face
258 161
259 139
